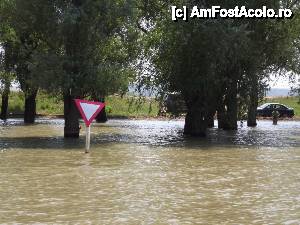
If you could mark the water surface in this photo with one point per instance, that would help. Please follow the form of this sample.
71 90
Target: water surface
148 172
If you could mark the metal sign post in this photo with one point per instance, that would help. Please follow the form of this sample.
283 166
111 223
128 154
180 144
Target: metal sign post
88 110
88 139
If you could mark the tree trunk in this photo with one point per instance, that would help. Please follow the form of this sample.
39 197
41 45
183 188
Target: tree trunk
230 120
251 121
221 114
102 116
211 111
195 122
71 129
231 108
30 107
4 106
211 119
8 66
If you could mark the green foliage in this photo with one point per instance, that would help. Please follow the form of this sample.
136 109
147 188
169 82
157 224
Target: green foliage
95 48
20 41
80 47
192 54
210 58
90 48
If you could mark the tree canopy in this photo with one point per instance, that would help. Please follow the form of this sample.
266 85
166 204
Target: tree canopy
219 64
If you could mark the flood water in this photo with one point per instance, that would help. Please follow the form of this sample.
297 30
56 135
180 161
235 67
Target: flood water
148 172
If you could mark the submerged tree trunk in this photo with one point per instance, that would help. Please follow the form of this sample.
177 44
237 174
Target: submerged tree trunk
221 115
195 120
211 117
71 129
211 111
211 121
231 108
230 120
195 124
251 121
4 106
30 107
227 114
30 91
102 116
73 52
9 63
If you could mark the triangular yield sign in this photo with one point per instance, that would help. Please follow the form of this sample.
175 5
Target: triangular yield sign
89 110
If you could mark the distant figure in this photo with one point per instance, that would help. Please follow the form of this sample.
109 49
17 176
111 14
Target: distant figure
275 115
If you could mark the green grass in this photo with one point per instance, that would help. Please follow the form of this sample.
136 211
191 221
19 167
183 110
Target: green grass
16 103
132 106
119 106
292 102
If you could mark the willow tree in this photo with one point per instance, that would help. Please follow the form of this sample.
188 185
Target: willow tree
211 61
200 60
292 65
23 19
7 59
270 50
90 50
6 77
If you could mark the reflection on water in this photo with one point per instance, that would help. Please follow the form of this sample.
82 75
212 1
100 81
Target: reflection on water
49 134
147 172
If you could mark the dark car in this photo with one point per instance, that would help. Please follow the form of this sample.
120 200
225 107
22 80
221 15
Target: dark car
267 109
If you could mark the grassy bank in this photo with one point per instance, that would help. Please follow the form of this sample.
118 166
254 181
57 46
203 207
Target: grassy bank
120 106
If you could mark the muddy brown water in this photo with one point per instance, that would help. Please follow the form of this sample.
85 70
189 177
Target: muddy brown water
148 172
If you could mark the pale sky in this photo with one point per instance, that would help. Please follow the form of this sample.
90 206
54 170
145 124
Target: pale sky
280 83
283 82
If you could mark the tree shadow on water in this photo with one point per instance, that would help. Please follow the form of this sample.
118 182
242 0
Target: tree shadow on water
161 137
55 143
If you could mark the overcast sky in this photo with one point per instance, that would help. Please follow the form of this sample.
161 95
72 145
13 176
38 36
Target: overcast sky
280 83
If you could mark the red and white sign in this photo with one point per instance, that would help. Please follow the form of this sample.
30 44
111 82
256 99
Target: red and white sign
89 110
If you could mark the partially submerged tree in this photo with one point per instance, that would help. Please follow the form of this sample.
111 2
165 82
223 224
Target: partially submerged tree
214 63
7 59
22 44
6 77
90 52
